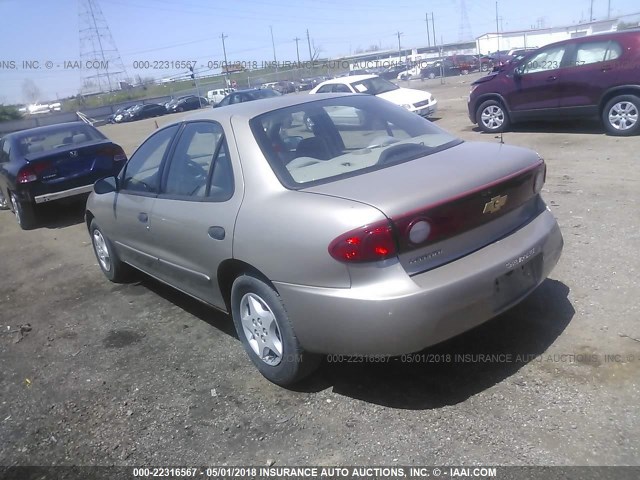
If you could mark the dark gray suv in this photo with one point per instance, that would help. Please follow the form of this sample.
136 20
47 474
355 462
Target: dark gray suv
594 76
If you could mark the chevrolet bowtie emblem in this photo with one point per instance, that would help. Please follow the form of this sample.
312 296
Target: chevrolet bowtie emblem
495 204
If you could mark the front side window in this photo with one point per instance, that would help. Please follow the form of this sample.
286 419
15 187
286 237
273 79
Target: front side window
141 173
328 139
549 59
199 156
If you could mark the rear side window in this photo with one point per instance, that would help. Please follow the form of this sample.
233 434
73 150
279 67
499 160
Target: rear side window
200 165
594 52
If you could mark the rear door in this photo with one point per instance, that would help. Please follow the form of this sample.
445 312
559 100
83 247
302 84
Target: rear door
139 184
591 70
536 90
194 215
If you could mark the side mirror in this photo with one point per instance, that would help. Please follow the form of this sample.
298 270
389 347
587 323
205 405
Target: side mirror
106 185
517 72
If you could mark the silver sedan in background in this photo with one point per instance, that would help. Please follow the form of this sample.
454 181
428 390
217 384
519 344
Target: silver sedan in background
334 224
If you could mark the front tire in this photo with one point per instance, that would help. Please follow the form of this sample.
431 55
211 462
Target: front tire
621 116
114 269
264 328
491 117
25 212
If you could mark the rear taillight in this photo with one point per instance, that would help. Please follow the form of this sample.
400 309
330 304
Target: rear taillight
540 178
31 173
114 151
365 244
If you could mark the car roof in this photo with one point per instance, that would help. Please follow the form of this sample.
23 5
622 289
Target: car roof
249 110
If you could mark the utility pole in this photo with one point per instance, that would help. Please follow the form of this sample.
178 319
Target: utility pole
309 43
399 50
297 51
433 29
591 12
273 44
609 10
497 30
426 18
226 65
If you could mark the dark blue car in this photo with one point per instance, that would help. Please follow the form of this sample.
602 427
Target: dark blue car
48 163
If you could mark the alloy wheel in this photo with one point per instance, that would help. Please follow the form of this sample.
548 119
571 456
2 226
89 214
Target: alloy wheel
492 117
261 329
16 208
102 251
623 115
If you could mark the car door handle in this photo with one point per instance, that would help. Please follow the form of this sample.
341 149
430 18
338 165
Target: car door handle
143 217
552 78
217 233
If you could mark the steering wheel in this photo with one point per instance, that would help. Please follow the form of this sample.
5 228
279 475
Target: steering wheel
410 149
195 169
382 141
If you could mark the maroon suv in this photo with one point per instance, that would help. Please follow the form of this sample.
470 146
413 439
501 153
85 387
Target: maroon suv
594 76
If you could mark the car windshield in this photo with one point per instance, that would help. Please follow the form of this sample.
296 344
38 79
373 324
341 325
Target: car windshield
325 140
373 86
58 137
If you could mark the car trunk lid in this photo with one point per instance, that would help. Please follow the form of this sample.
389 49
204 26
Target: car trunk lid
469 196
93 160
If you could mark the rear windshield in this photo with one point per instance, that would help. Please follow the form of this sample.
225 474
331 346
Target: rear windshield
325 140
57 137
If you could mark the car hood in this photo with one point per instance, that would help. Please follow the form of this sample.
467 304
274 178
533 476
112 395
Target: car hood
398 189
402 96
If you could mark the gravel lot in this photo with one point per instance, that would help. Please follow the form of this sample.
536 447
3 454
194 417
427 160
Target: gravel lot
140 374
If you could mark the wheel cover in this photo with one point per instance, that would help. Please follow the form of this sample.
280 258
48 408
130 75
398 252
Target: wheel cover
623 116
492 117
261 329
102 251
16 208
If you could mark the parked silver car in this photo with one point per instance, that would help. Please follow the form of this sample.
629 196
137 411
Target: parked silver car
379 236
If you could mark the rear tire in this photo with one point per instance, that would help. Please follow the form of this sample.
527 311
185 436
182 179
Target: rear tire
264 328
492 117
4 203
621 116
25 213
114 269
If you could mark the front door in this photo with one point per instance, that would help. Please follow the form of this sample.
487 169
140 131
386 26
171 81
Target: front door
139 183
536 83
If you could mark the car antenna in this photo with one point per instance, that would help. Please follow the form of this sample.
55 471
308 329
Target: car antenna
500 137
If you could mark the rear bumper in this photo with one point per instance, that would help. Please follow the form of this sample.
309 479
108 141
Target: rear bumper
401 314
48 197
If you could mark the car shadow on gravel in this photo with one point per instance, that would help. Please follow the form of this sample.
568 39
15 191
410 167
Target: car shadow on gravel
61 214
206 313
451 372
